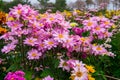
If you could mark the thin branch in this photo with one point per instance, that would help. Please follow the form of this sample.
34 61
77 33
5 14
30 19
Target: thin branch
110 77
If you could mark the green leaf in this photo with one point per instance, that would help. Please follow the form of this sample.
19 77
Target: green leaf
28 75
12 68
85 34
47 72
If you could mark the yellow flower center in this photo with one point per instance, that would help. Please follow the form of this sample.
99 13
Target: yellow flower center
78 74
30 41
34 54
60 36
65 64
42 45
99 48
89 23
41 24
106 23
15 25
50 42
97 28
19 11
83 39
51 19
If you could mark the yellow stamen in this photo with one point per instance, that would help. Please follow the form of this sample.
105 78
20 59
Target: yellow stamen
78 74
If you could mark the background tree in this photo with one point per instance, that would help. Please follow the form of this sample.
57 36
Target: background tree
60 4
80 4
89 3
6 5
43 3
99 2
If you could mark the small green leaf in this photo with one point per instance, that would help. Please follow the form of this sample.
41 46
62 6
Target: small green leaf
28 75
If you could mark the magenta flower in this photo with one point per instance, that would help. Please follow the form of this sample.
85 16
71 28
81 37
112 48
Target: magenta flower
78 31
18 75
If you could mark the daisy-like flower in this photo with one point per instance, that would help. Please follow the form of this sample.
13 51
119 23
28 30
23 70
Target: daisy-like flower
50 43
64 65
14 25
98 30
106 23
89 24
48 78
41 45
69 42
8 48
78 64
60 36
30 41
85 40
79 73
34 54
98 50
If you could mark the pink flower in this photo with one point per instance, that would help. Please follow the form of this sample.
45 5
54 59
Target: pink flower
14 25
98 30
69 42
34 54
64 65
48 78
80 73
30 41
89 24
71 62
7 36
50 43
98 50
8 48
60 36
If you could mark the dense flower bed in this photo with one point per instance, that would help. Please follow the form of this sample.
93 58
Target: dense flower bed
51 45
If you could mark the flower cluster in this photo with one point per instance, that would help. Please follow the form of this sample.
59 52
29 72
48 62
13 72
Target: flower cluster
17 75
46 31
37 36
79 71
